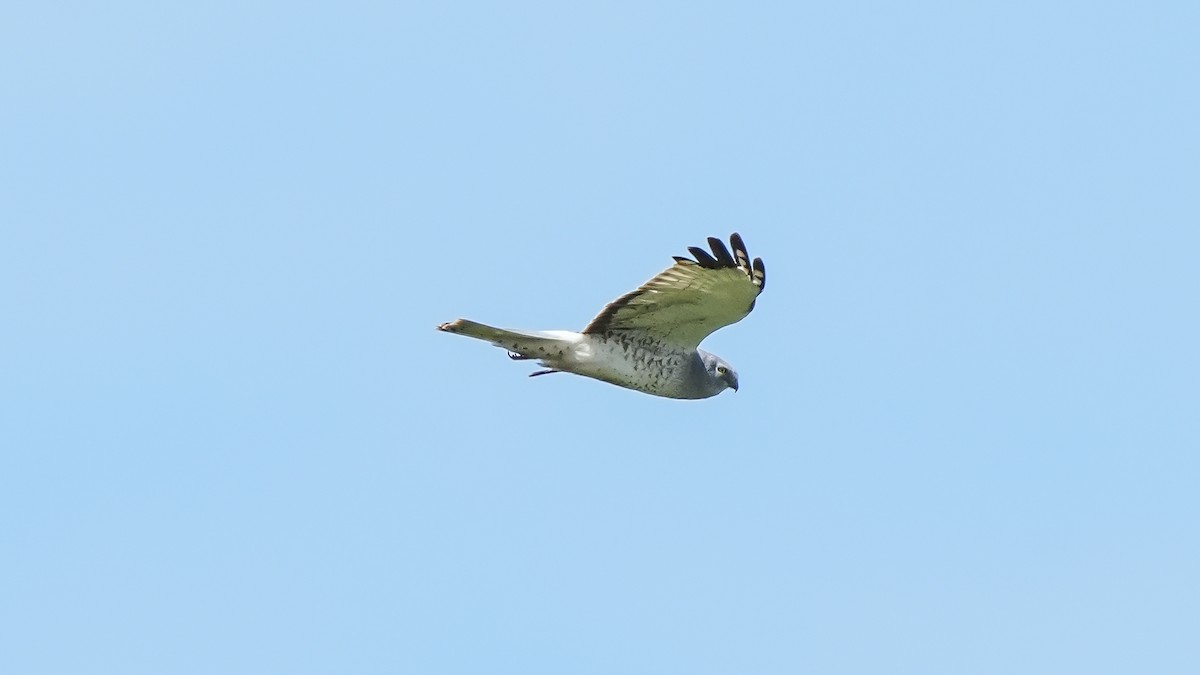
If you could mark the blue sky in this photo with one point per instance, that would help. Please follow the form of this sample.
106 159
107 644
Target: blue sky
966 435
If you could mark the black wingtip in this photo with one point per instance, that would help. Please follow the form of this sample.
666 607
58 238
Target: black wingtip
739 250
721 253
722 258
702 257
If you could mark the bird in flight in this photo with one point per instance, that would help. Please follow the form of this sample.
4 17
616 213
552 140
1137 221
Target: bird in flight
649 339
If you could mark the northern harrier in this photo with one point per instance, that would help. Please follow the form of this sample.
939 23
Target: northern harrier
649 338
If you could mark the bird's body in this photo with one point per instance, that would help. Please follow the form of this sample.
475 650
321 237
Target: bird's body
634 362
647 340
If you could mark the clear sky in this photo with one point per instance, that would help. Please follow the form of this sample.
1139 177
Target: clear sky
232 441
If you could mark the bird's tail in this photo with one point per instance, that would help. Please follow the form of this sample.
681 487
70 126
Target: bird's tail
545 345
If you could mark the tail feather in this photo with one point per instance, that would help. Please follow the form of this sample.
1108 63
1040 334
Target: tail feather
520 344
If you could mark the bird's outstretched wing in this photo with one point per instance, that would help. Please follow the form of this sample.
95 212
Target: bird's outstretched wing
686 302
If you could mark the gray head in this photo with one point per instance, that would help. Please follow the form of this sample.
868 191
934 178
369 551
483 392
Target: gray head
720 373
